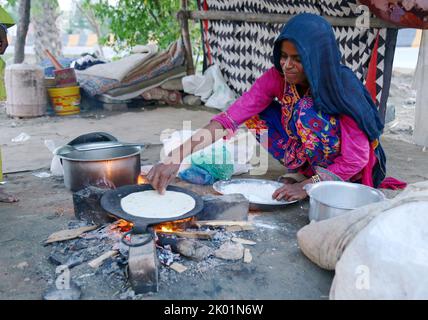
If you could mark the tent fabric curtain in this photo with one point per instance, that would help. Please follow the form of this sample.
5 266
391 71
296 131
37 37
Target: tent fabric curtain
243 50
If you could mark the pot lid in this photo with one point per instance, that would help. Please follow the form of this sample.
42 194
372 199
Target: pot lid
92 137
111 152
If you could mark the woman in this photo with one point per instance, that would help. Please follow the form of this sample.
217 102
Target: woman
321 122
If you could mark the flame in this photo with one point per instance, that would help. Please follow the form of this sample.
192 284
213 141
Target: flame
172 226
167 229
142 180
122 225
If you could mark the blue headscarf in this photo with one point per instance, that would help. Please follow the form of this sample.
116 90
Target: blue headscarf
335 88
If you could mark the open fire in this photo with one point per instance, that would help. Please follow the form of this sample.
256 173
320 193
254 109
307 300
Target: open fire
172 241
123 225
166 227
173 226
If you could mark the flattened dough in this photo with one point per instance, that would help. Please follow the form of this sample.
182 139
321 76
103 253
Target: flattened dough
151 204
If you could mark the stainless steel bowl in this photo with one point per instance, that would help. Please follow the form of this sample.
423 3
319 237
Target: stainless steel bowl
333 198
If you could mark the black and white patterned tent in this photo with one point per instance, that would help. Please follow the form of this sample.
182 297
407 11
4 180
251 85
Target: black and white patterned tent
243 50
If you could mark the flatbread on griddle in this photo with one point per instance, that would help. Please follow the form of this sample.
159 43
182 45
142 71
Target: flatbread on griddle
151 204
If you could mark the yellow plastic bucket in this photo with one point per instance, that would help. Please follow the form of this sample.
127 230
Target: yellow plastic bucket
66 101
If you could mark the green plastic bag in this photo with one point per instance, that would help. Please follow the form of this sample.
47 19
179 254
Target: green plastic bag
216 160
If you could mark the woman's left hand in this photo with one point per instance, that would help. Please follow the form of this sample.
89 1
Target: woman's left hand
290 192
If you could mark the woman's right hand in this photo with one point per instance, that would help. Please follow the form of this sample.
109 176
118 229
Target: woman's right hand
161 175
164 172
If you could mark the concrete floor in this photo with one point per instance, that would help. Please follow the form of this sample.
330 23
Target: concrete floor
278 271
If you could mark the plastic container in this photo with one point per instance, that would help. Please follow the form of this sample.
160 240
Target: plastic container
65 101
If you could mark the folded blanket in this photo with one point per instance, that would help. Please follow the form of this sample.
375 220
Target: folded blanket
133 91
118 70
151 68
152 63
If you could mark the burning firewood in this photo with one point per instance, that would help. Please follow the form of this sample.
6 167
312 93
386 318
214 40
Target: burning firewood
68 234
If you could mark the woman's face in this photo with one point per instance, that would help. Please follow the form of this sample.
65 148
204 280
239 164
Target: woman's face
291 64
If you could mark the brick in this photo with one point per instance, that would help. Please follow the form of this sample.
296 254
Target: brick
87 206
232 207
143 268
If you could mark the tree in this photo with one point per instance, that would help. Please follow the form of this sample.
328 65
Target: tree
133 22
21 33
88 12
45 14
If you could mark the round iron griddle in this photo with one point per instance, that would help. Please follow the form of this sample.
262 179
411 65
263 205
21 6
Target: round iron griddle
110 201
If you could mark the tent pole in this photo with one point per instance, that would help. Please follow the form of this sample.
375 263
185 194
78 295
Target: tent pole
183 17
273 18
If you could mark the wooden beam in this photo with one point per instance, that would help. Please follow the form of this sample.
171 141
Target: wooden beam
275 18
184 25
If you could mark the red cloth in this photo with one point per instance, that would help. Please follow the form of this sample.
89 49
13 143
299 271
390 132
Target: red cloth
372 70
205 27
393 184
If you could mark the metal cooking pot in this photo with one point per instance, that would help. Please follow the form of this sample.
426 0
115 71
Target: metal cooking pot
114 167
333 198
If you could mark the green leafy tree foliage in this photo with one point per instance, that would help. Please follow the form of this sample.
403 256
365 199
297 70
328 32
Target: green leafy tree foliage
133 22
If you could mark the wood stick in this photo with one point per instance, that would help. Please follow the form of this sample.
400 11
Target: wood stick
95 263
68 234
239 228
184 24
243 241
54 61
275 18
221 223
247 256
178 267
204 235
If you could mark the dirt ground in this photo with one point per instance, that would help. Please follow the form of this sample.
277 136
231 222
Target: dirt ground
279 270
